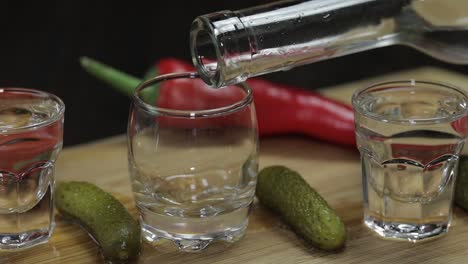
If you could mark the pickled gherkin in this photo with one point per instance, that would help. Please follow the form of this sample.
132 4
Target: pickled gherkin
285 192
103 217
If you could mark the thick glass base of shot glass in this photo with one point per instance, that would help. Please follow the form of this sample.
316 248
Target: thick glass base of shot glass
406 231
30 228
194 234
20 241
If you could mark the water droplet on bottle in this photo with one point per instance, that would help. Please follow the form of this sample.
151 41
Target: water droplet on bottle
298 19
328 16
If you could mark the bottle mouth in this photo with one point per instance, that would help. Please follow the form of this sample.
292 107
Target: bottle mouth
206 55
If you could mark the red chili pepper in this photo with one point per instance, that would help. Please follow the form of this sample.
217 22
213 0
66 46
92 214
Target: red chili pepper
461 125
194 94
280 109
20 151
423 153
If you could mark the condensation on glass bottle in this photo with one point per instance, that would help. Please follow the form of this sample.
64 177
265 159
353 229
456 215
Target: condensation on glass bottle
230 46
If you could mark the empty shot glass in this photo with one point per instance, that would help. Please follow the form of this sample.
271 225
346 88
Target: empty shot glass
193 160
31 130
409 134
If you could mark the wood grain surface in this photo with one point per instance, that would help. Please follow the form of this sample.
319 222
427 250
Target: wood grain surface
334 171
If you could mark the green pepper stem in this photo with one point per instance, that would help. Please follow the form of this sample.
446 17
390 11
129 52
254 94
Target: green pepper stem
121 81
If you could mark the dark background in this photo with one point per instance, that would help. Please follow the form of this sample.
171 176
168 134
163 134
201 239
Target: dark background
41 42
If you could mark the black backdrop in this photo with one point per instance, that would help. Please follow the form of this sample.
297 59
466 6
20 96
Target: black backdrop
41 42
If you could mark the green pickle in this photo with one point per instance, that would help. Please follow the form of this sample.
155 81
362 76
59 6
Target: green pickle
461 185
300 206
103 217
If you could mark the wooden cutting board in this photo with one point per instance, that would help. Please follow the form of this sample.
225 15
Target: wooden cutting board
334 171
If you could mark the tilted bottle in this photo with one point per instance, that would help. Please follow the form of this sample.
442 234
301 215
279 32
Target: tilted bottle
231 46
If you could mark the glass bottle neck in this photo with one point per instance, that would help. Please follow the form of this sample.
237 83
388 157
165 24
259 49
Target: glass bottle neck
229 47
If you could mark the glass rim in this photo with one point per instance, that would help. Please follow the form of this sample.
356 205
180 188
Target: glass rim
218 111
413 83
40 95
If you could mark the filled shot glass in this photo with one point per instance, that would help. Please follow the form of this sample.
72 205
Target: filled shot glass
410 135
193 160
31 132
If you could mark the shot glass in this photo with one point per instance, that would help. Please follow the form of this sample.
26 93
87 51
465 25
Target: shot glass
31 130
193 160
410 135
